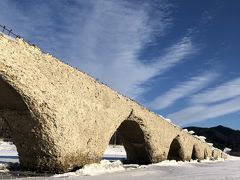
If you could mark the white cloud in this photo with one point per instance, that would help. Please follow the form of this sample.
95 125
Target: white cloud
182 90
102 38
203 112
225 91
110 41
212 103
174 55
36 22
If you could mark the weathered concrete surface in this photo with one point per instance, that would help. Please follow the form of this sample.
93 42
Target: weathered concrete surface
61 118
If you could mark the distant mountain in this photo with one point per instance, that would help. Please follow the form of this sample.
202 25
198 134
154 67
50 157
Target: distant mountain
221 137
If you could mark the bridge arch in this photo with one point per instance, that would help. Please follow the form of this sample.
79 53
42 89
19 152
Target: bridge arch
216 153
176 150
134 141
206 154
197 152
10 98
25 130
14 113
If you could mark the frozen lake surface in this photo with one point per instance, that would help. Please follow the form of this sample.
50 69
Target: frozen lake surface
166 170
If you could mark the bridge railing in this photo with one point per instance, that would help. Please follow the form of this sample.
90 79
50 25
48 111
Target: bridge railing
8 32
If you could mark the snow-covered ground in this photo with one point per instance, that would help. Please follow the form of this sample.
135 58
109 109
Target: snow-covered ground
115 153
8 152
167 170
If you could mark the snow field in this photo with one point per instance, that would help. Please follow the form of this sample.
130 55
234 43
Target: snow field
106 166
8 153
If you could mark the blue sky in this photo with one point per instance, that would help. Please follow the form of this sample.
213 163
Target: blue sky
180 58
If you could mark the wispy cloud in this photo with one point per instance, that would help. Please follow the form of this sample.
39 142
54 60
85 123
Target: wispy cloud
203 105
110 43
223 92
103 39
203 112
41 22
174 55
182 90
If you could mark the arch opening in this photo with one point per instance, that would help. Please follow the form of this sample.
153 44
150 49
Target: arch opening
116 139
10 99
175 151
194 153
206 155
10 104
130 135
12 109
18 125
5 133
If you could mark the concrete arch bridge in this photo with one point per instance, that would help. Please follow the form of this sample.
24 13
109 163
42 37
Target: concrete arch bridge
61 118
